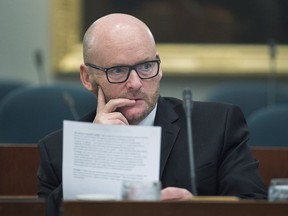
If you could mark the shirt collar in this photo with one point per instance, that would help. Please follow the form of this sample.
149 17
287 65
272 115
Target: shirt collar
149 120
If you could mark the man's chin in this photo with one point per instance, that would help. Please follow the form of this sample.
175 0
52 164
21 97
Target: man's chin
134 116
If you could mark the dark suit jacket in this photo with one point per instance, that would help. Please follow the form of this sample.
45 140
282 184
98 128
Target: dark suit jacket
223 161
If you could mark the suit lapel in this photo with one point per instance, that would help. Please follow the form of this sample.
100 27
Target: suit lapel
166 118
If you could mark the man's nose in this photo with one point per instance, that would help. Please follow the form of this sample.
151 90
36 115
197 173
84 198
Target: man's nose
134 81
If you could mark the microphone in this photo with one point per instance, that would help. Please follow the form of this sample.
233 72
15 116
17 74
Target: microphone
69 101
188 106
39 63
272 73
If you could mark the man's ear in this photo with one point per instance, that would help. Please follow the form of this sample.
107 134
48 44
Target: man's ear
157 56
85 77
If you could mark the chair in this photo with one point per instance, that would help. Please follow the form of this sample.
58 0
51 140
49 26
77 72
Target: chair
269 126
30 113
8 86
249 96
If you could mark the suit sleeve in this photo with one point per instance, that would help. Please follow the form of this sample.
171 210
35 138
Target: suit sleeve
238 171
50 186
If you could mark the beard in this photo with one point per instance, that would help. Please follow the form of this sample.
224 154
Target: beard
135 115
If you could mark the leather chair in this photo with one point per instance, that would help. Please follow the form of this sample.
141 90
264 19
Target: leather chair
30 113
269 126
250 96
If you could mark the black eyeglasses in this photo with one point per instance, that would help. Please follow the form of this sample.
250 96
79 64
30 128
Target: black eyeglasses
120 74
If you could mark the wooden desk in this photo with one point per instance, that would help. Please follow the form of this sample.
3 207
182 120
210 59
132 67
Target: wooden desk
273 162
22 206
193 208
18 168
19 164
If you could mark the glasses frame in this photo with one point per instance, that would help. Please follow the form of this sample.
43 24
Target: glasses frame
131 67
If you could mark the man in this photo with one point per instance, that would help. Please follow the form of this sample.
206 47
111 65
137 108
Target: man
122 68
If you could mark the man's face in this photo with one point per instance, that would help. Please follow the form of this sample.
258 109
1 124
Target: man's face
144 92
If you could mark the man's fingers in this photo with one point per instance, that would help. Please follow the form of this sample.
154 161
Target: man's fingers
113 104
174 193
100 99
111 118
106 112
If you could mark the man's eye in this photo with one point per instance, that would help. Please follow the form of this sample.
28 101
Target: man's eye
146 66
118 70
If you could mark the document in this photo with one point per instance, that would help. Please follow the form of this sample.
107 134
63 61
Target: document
97 159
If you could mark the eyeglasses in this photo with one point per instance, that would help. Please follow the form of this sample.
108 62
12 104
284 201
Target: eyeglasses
120 74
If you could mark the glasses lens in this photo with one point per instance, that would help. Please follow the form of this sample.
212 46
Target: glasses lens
118 74
144 70
147 69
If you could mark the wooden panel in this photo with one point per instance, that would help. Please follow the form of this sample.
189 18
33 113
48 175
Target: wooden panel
247 208
19 164
273 162
24 206
18 169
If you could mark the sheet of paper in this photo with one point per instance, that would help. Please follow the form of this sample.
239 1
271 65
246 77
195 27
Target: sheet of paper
98 158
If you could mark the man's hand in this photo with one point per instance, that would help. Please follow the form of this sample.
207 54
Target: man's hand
174 193
105 111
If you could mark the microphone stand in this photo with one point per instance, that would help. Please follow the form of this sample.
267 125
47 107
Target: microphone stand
188 105
69 101
272 75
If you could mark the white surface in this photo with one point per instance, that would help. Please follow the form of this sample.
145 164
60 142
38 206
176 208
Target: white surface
98 158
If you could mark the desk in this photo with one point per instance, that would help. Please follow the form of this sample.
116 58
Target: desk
22 206
18 168
193 208
273 162
19 164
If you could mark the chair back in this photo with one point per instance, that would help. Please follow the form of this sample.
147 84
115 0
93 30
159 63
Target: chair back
269 126
250 96
7 86
28 114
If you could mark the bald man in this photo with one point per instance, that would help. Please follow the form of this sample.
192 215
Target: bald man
123 69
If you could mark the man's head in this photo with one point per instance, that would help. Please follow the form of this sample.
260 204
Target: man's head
117 40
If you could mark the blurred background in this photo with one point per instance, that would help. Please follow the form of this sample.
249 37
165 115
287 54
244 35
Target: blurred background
233 51
33 30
